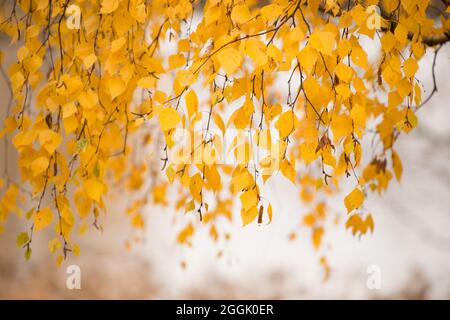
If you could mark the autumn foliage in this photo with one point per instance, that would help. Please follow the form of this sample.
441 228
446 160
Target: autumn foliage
101 89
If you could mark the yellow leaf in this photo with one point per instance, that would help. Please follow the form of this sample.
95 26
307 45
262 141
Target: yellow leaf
271 12
69 109
54 245
196 185
39 165
316 236
241 181
343 90
219 122
213 233
94 189
184 45
368 223
397 165
89 61
288 170
387 41
10 124
146 82
309 219
341 126
401 34
185 234
22 238
50 140
116 87
230 59
354 199
274 53
212 14
344 72
191 103
308 152
394 99
42 219
33 63
295 35
404 88
109 6
307 57
83 229
22 53
410 67
322 41
59 260
285 124
354 222
256 50
357 224
249 215
117 44
168 119
138 221
185 78
240 14
213 177
76 250
88 99
249 198
269 213
176 61
410 120
358 115
190 206
17 80
359 57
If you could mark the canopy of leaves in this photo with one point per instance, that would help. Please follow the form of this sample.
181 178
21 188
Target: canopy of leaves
100 88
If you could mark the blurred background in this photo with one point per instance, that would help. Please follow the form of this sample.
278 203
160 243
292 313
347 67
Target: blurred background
410 245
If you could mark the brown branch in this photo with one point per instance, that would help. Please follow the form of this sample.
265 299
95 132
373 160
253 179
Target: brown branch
433 73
